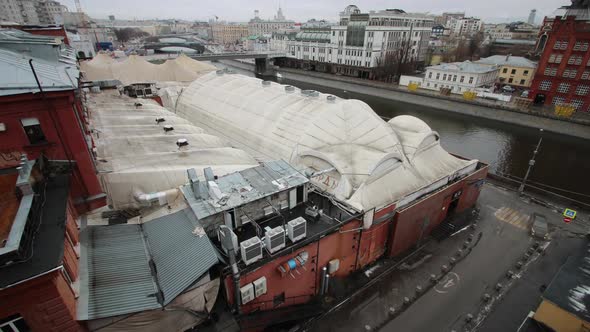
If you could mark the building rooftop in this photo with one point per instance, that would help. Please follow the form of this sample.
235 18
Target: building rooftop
245 186
48 245
515 41
466 67
313 36
570 288
14 35
131 268
9 203
16 75
508 60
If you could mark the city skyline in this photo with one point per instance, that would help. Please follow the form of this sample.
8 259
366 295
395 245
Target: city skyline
230 10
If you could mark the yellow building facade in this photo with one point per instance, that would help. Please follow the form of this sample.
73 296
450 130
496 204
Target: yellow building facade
514 70
560 320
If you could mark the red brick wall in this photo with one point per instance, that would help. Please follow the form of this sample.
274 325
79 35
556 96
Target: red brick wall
572 31
46 303
408 226
63 126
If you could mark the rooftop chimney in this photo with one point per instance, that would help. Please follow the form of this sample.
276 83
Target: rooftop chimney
194 182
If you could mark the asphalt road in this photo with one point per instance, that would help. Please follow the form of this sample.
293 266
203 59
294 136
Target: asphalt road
501 246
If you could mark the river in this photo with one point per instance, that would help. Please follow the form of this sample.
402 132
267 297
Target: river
560 163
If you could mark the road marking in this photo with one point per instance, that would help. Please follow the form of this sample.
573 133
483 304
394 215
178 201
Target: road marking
513 217
445 284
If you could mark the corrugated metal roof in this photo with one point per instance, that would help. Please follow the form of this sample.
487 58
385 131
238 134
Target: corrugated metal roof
245 186
14 35
16 76
180 257
115 276
465 66
508 60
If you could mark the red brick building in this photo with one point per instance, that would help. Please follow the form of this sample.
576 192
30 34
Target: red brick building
38 255
563 74
41 114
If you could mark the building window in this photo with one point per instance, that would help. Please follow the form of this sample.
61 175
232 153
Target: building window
470 80
574 60
558 101
550 71
430 75
462 79
570 73
437 76
563 88
522 82
545 85
14 323
581 46
577 103
555 58
33 130
505 70
454 78
582 90
525 73
513 72
585 75
510 80
444 77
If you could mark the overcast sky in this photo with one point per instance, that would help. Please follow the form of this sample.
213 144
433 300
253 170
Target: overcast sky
302 10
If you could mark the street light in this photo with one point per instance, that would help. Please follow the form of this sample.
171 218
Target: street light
531 162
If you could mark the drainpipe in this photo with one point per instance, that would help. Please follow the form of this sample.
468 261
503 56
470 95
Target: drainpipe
148 199
236 278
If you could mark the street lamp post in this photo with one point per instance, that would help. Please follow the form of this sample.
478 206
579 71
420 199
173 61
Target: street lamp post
531 163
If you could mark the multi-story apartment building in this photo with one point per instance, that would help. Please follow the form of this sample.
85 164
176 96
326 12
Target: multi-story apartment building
228 33
260 27
459 77
465 26
359 43
563 75
32 11
515 30
50 12
514 70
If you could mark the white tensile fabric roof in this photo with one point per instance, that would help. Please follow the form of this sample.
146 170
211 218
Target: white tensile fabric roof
364 161
137 70
135 154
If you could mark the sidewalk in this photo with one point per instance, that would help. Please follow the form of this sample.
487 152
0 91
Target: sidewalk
547 112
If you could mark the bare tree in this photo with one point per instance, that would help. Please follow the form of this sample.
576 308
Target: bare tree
394 63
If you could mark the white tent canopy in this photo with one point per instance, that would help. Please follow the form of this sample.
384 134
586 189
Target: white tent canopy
137 70
361 159
136 155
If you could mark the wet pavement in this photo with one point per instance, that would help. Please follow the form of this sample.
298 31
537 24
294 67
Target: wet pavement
458 300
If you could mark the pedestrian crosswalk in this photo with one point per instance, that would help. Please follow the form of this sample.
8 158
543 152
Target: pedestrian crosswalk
513 217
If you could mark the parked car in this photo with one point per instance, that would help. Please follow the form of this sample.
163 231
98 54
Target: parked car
508 88
539 228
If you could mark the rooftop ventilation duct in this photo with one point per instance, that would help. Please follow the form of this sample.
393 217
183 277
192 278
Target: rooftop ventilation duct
181 142
220 72
208 172
310 93
194 182
289 88
168 128
331 99
160 120
265 83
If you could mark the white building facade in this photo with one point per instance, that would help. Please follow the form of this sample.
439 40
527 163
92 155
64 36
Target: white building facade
460 76
32 11
465 26
261 27
358 44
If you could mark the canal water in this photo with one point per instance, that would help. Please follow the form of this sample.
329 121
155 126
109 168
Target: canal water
562 163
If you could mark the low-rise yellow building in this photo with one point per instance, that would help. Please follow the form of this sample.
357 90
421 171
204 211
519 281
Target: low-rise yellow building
514 70
565 305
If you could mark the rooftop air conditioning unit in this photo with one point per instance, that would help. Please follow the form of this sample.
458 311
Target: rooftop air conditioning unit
227 238
251 250
297 229
274 238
